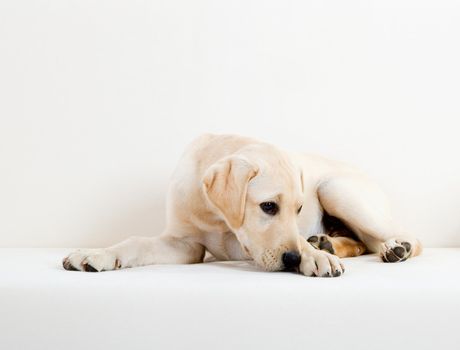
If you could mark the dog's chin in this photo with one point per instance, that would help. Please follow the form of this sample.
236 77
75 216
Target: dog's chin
268 268
279 269
261 263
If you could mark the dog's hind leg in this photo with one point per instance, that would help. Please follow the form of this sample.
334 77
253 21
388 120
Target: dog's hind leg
364 209
136 251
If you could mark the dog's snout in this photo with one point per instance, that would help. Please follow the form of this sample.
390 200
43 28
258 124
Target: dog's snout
291 260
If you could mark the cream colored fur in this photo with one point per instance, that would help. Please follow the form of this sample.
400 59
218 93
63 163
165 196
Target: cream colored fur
213 204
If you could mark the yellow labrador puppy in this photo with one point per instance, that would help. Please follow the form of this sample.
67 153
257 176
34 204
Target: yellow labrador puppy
242 199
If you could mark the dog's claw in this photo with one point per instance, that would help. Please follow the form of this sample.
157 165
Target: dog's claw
89 268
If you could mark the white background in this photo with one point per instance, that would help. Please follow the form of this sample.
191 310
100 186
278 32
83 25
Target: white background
99 98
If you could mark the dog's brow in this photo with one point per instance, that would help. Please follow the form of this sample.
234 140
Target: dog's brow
273 197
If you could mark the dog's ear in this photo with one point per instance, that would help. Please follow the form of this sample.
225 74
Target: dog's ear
225 184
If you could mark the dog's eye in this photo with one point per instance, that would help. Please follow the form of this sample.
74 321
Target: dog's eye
300 209
270 208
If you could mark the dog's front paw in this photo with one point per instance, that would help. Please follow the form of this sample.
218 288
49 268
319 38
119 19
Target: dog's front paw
91 260
396 251
320 263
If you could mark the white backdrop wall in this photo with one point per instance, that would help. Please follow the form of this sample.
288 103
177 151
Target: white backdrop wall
99 98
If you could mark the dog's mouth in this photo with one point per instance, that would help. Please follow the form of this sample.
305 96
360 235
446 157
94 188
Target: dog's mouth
267 261
269 266
246 250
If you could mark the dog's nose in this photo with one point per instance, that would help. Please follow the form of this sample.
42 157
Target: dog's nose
291 259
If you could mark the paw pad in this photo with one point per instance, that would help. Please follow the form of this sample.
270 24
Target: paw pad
321 242
397 252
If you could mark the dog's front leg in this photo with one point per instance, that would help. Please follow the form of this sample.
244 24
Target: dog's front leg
136 251
318 262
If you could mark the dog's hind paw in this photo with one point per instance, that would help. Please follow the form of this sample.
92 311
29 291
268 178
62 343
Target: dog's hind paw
321 242
396 251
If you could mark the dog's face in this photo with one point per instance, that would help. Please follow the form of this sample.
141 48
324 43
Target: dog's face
260 203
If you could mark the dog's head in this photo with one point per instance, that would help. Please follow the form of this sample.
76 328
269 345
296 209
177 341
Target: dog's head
259 194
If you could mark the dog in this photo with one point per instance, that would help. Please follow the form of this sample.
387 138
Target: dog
242 199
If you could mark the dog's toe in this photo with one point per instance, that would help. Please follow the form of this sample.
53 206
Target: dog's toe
67 265
337 273
321 263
